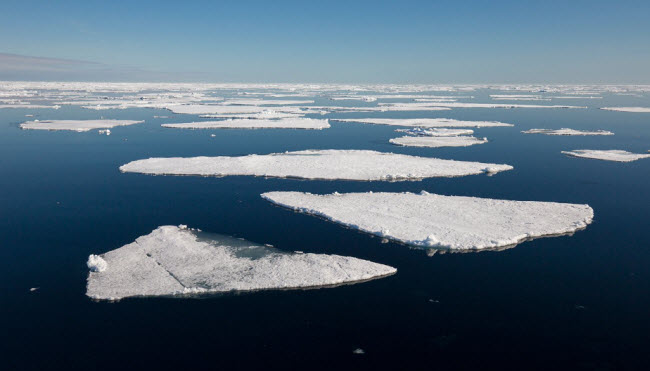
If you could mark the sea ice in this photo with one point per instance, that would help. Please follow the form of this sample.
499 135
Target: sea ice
316 164
436 132
180 261
433 142
422 106
428 123
290 123
565 131
628 109
75 125
607 155
441 222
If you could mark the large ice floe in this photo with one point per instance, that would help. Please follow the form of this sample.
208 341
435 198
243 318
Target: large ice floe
360 165
76 125
428 123
566 131
607 155
433 142
287 123
628 109
441 222
179 261
436 132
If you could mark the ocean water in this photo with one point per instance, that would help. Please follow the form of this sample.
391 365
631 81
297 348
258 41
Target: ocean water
580 301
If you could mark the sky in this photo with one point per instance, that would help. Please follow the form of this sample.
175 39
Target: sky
327 41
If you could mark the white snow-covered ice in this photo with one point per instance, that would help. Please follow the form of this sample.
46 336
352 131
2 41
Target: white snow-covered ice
178 261
75 125
434 142
443 222
436 132
288 123
360 165
428 123
566 131
607 155
628 109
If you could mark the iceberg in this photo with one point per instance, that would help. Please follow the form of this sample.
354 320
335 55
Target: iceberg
607 155
178 261
428 220
566 131
437 132
434 142
289 123
361 165
429 123
628 109
75 125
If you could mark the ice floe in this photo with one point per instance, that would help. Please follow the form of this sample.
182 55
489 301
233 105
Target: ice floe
289 123
434 142
628 109
428 123
607 155
180 261
423 106
443 222
75 125
436 132
566 131
360 165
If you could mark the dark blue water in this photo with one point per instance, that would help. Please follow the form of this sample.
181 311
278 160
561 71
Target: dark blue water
580 302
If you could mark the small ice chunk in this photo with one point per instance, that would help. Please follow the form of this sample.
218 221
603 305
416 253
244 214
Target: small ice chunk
315 164
607 155
628 109
428 123
105 131
96 263
566 131
287 123
429 220
75 125
176 261
436 132
434 142
33 289
358 351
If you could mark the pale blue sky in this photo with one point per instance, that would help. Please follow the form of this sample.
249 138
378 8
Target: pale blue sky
328 41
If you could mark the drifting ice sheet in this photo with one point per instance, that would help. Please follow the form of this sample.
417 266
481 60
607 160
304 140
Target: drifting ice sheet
434 142
607 155
175 261
565 131
428 123
443 222
293 123
441 132
628 109
75 125
316 164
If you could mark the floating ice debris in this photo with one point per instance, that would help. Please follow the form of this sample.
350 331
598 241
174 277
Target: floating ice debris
263 102
428 123
202 109
26 105
628 109
96 263
316 164
355 97
441 132
518 97
33 289
607 155
75 125
176 261
444 222
565 131
105 131
433 142
358 351
291 123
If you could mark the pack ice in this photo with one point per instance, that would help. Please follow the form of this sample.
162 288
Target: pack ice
435 142
178 261
316 164
607 155
566 131
288 123
75 125
441 222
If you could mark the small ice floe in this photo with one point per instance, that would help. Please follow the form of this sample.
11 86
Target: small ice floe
355 97
361 165
607 155
264 102
566 131
177 261
429 220
75 125
287 123
435 142
436 132
27 105
628 109
29 115
424 106
518 97
105 131
161 117
359 351
213 135
34 289
428 123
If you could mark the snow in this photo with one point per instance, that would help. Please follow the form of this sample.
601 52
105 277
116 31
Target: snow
607 155
426 141
290 123
441 132
566 131
180 261
96 263
75 125
360 165
427 123
442 222
628 109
